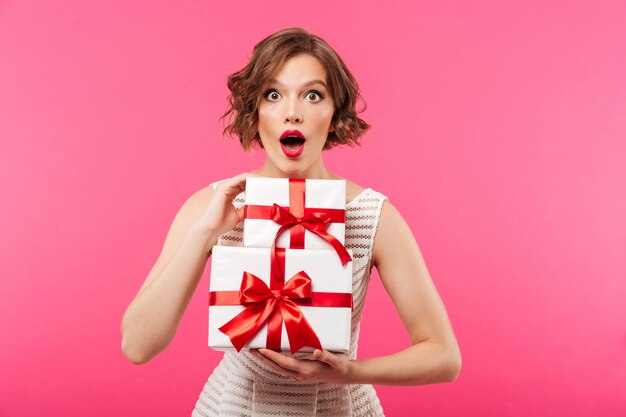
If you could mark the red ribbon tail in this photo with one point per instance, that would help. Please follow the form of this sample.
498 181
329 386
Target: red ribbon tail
247 323
339 248
299 330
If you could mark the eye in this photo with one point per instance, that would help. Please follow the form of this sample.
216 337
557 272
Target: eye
271 95
314 96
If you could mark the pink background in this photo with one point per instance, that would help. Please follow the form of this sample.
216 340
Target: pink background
498 132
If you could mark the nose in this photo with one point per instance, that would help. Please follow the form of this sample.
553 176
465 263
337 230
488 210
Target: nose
293 114
293 118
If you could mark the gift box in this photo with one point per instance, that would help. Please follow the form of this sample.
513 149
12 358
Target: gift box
309 213
282 299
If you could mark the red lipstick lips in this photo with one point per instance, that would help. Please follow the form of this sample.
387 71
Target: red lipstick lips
292 143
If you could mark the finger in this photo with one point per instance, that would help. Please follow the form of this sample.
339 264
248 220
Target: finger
274 365
235 185
282 360
326 357
239 180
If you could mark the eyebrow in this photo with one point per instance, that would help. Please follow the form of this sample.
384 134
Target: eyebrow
307 84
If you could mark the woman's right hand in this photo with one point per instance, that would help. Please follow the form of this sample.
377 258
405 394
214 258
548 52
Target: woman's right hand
221 215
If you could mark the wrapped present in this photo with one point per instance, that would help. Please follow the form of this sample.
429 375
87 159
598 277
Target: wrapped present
299 213
280 299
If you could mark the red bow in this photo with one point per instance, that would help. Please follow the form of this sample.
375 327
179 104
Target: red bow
262 304
314 222
298 217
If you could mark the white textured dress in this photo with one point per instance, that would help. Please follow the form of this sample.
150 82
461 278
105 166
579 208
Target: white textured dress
243 386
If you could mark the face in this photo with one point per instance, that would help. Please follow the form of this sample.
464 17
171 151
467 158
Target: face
295 114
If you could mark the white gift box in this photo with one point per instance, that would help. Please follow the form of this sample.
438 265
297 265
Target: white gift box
330 324
320 195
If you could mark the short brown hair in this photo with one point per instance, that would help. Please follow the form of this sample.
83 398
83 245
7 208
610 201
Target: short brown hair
247 85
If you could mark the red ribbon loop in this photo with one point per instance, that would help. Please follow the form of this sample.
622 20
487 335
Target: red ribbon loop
262 303
314 222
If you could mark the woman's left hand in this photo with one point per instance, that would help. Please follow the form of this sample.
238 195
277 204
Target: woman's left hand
326 367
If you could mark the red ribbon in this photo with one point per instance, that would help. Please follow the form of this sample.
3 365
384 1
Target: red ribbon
274 305
262 303
298 218
318 299
316 223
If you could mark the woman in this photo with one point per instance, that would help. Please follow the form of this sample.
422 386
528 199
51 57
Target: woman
295 84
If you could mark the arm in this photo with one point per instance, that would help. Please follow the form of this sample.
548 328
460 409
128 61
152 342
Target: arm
151 320
434 355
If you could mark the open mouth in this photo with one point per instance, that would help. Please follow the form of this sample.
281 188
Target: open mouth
292 146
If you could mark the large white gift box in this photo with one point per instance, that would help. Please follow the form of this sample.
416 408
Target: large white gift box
328 310
303 198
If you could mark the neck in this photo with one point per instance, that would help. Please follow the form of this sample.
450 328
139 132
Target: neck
315 171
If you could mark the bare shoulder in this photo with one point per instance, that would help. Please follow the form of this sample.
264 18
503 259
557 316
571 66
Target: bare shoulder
198 201
190 211
203 194
188 214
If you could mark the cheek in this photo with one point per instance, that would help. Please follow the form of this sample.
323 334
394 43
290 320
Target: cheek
325 115
268 119
262 118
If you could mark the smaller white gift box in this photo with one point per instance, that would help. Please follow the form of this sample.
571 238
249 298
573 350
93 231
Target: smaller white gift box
328 310
304 199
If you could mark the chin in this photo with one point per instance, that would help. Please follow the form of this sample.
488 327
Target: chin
292 168
292 172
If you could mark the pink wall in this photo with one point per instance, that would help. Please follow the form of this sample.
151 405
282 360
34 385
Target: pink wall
498 131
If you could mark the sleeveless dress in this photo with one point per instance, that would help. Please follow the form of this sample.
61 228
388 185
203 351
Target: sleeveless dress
243 386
